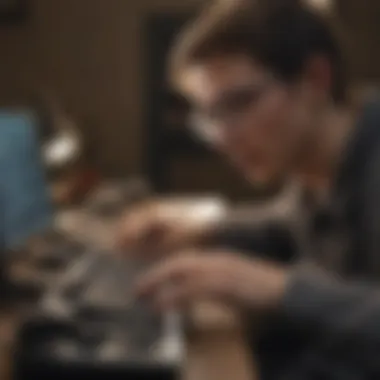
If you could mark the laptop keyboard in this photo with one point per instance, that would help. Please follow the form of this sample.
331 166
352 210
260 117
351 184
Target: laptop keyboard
95 294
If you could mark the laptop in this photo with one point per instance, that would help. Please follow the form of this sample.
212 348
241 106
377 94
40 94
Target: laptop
97 294
90 325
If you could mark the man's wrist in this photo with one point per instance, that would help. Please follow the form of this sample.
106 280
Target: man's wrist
266 286
277 286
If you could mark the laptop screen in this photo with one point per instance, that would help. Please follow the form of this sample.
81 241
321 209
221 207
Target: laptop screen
25 203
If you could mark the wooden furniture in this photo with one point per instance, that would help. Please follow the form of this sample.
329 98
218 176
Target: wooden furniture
211 354
215 346
8 326
219 355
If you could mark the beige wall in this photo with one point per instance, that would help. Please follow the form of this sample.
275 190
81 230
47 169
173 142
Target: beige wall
88 53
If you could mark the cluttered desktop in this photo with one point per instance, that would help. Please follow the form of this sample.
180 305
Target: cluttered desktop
83 322
79 316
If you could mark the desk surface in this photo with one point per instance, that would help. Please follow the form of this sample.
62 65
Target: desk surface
8 326
215 349
211 354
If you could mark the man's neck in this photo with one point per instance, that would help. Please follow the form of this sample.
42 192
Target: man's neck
325 152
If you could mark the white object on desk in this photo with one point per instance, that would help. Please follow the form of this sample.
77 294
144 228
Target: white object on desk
171 348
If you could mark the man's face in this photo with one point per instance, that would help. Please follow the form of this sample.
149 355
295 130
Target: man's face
260 123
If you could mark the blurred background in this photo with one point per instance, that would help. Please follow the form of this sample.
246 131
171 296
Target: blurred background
101 64
89 77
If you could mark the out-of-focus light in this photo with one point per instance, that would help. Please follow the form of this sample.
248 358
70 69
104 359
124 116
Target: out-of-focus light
62 150
324 5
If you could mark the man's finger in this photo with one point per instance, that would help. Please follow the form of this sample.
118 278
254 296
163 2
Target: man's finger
134 220
176 296
167 273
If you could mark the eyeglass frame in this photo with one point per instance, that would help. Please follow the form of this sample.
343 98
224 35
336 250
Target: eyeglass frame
211 126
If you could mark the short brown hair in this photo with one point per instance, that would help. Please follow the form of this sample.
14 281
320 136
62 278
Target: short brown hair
281 35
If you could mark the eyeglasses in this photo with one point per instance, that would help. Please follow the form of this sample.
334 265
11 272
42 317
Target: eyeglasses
225 115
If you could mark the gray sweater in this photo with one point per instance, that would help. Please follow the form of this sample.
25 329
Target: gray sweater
329 325
341 305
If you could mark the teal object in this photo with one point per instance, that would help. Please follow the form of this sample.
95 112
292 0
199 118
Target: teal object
25 206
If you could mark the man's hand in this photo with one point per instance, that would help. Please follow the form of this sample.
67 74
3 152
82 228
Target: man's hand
221 276
166 225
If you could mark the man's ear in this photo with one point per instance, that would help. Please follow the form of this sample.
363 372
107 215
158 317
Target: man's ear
318 72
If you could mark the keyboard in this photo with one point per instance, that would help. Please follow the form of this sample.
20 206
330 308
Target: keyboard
90 316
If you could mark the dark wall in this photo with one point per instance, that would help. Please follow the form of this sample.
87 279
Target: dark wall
89 54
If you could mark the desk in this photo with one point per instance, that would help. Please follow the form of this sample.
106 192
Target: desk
215 347
211 354
9 321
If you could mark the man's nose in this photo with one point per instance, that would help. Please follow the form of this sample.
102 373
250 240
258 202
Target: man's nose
234 143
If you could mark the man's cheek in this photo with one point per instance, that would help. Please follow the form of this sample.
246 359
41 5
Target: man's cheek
275 126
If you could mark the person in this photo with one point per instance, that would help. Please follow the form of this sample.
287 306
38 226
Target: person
267 87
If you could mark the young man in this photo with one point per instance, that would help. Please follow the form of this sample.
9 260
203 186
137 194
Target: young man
267 89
